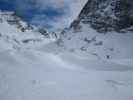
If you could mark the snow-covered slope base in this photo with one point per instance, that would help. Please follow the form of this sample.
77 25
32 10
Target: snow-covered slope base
111 45
36 75
29 72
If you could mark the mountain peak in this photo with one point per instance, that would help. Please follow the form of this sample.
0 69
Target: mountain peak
17 33
9 16
106 15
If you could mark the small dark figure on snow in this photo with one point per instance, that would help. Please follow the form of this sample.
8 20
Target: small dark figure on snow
108 56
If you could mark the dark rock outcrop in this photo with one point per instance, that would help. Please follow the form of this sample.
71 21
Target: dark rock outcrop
106 15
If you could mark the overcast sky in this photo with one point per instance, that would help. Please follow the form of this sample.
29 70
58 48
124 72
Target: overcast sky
53 14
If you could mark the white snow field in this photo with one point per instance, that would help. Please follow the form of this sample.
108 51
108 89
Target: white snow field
34 75
33 71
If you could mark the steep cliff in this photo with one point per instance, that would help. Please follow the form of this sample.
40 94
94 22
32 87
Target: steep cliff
106 15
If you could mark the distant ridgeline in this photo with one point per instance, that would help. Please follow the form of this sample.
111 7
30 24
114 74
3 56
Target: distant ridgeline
9 17
106 15
13 19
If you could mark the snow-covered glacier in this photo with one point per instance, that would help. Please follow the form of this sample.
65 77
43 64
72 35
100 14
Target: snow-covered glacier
34 66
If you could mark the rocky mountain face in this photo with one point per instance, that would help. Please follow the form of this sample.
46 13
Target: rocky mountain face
106 15
101 16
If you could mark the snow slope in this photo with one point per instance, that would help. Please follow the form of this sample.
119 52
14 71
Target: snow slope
31 70
35 75
88 42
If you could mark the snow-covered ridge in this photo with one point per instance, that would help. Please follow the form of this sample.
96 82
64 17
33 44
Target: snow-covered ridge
8 15
13 19
15 31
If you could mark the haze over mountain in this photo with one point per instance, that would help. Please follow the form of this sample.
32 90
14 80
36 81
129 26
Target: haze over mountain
51 14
